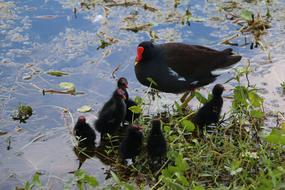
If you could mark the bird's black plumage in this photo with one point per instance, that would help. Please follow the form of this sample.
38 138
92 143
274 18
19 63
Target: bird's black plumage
130 116
132 143
156 143
210 112
112 114
86 135
178 67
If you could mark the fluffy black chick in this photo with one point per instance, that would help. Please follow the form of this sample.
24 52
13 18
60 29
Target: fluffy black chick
156 143
210 112
132 144
112 114
130 116
86 135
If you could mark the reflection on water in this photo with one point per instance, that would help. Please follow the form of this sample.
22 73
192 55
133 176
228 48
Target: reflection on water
38 36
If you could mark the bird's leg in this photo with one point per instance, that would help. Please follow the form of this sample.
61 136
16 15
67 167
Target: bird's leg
80 164
188 99
182 99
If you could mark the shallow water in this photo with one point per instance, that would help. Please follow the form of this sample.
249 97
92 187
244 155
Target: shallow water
42 35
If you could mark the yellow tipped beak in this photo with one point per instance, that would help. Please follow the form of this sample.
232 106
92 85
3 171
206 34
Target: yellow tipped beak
136 62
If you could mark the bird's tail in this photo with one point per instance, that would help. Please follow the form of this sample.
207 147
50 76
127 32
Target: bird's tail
229 58
228 51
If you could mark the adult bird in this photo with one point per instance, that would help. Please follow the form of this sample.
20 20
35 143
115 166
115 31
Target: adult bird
210 112
179 67
112 114
130 116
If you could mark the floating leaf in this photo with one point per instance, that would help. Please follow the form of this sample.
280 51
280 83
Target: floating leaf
57 73
135 109
188 125
246 15
84 109
27 77
70 87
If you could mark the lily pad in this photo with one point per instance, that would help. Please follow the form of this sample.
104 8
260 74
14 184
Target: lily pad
57 73
69 86
84 109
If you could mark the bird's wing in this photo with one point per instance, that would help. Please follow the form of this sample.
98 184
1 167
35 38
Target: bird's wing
108 110
191 59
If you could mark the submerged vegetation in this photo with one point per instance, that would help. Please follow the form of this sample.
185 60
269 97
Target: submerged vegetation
22 113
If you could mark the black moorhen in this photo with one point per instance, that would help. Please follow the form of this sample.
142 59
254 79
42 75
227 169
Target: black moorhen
210 112
178 67
86 135
112 114
130 116
156 143
132 144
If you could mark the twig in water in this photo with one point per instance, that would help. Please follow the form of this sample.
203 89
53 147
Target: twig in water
115 70
33 140
50 91
227 41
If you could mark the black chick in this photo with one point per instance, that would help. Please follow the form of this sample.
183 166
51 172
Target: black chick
132 144
210 112
130 116
112 114
156 143
84 132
